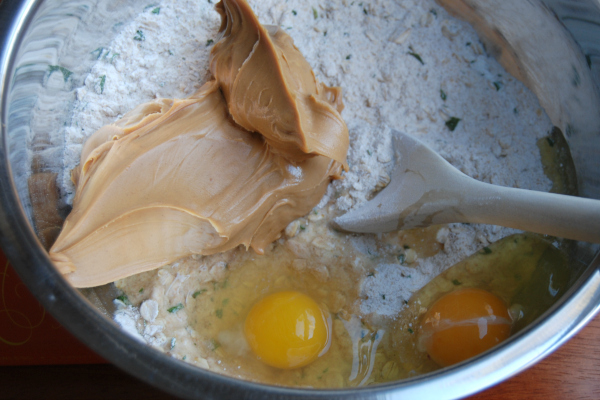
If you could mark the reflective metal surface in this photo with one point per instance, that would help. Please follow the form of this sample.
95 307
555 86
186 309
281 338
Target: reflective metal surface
37 34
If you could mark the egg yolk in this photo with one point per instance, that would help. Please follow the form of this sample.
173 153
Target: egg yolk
462 324
288 330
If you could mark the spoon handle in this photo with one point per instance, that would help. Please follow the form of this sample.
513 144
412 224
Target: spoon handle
547 213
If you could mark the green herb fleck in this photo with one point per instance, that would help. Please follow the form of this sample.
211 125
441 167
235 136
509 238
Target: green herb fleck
468 43
365 11
405 301
550 141
383 296
349 56
326 370
294 12
452 123
100 50
415 55
456 282
515 111
576 78
371 274
401 258
184 358
214 344
139 36
225 302
325 33
176 308
302 227
369 152
199 292
224 284
65 72
434 12
102 81
410 331
141 290
498 85
487 250
209 42
173 343
406 247
124 299
156 11
315 13
170 52
219 313
443 95
588 59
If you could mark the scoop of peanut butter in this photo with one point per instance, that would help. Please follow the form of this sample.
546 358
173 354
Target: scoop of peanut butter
270 88
174 177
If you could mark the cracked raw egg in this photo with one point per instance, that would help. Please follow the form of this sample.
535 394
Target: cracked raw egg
288 330
462 324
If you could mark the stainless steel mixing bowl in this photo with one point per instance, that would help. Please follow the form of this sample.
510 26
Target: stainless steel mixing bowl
38 34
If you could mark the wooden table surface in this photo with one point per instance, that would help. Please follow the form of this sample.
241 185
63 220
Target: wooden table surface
572 372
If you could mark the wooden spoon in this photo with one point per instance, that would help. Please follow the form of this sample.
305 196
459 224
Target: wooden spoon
426 190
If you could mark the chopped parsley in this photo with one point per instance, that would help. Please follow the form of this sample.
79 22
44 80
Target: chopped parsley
102 81
456 282
371 274
209 42
176 308
214 344
219 313
452 123
315 13
65 72
100 51
349 56
124 299
156 11
401 258
294 12
302 227
141 290
410 331
576 78
139 36
588 59
225 302
365 11
443 95
498 85
550 141
199 292
369 152
383 296
487 250
434 12
415 55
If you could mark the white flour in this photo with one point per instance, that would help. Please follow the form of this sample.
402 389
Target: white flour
402 64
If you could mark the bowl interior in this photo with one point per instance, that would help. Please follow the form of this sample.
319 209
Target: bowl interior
563 70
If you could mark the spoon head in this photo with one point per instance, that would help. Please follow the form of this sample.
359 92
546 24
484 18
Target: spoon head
422 191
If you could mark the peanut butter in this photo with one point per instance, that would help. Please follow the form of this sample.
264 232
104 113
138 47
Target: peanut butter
270 88
175 177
